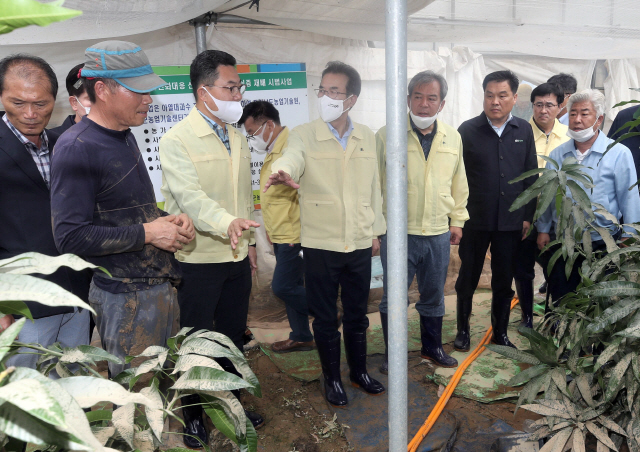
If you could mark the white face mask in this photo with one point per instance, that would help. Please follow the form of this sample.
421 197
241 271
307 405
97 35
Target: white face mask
331 109
86 109
422 122
229 111
582 135
257 142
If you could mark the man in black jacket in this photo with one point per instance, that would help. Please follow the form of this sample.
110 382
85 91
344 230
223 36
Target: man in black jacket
78 100
28 89
497 148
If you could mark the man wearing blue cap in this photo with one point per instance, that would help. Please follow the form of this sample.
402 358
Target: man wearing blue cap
104 209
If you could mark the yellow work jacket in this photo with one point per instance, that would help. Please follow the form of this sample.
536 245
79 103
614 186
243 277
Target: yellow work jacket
545 144
340 198
213 188
279 205
437 189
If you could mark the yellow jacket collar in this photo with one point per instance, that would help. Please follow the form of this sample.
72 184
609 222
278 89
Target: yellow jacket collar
537 132
440 129
281 141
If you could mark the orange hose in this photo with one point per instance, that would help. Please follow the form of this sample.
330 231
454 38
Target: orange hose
446 395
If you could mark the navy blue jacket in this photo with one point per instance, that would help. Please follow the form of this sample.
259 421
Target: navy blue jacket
633 143
491 162
101 195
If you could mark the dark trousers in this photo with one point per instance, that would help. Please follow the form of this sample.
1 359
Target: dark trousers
558 283
325 272
472 251
526 258
216 297
288 285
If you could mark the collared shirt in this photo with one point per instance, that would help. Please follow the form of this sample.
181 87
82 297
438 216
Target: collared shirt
220 131
612 175
564 119
427 139
547 143
345 138
580 156
500 129
40 154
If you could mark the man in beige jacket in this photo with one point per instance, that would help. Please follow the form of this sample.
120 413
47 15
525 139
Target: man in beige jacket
436 207
334 161
206 173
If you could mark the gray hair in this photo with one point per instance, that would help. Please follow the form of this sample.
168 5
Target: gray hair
427 77
588 95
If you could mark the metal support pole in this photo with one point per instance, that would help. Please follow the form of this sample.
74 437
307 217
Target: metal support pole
396 77
201 36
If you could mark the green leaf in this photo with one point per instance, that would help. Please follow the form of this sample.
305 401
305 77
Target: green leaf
578 441
186 362
87 353
15 307
33 397
550 160
201 346
25 287
512 353
612 314
209 380
9 335
251 439
600 434
122 420
613 289
584 385
609 424
530 391
616 377
600 266
147 366
232 409
530 173
88 391
30 263
220 420
155 414
153 351
552 261
21 13
579 195
557 443
527 374
99 415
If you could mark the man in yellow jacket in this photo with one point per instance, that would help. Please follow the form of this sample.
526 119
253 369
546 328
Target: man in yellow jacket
437 195
206 171
334 161
281 213
548 133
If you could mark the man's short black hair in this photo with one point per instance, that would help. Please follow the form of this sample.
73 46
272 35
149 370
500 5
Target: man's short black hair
502 76
545 89
90 86
25 66
204 67
354 84
567 82
72 80
260 110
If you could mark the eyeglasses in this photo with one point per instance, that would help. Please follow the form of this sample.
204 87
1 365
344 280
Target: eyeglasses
540 105
238 89
253 135
332 93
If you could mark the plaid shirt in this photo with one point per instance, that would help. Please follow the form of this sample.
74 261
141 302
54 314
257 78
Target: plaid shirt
222 134
40 155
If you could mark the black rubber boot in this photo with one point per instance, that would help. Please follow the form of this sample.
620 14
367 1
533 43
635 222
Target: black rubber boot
543 288
500 310
384 320
524 289
254 417
329 352
193 423
355 344
431 335
463 312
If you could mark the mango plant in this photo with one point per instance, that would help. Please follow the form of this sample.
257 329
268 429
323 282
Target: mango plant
85 411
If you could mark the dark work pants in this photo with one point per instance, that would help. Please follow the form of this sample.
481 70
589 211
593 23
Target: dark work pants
526 258
472 251
558 283
216 297
325 272
288 285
